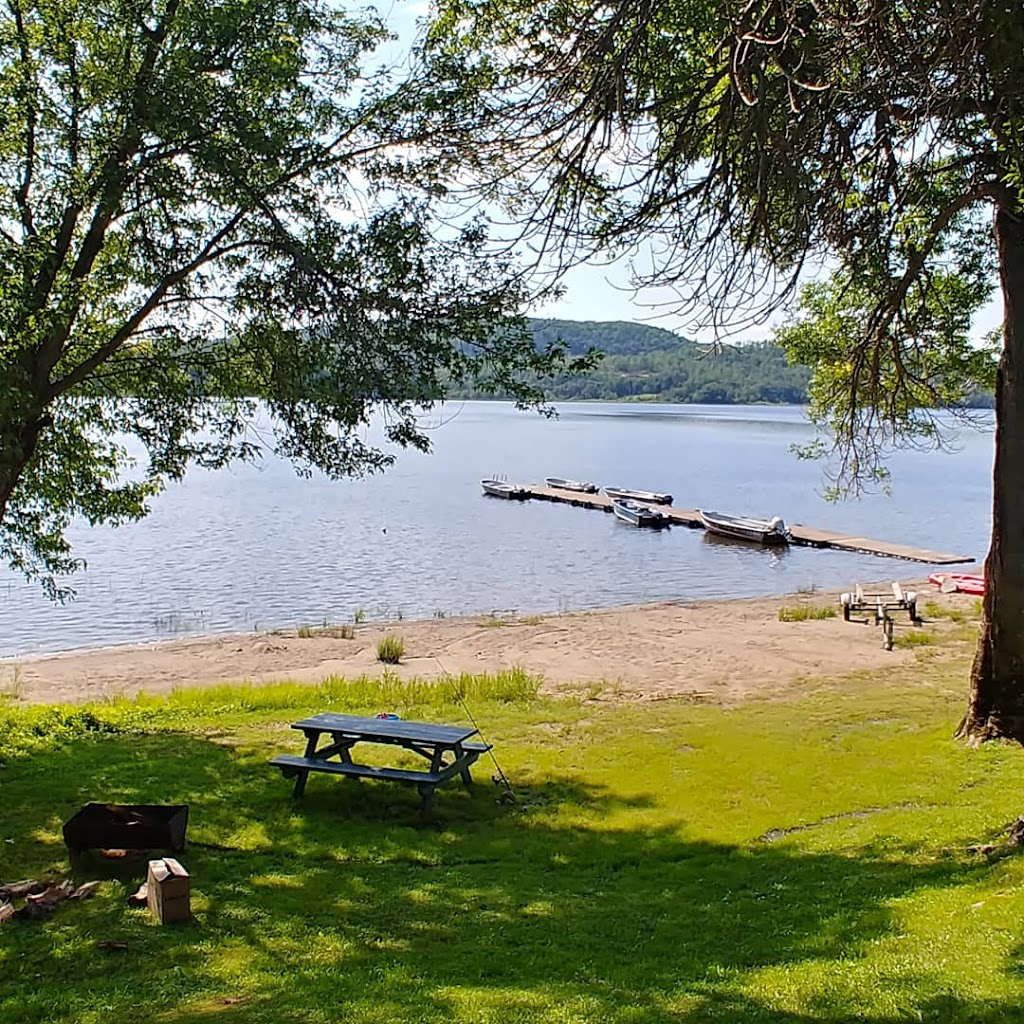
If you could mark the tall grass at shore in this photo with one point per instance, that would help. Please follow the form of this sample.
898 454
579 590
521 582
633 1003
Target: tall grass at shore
795 861
806 613
38 726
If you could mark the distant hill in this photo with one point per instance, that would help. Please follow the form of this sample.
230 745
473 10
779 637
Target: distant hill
645 363
616 337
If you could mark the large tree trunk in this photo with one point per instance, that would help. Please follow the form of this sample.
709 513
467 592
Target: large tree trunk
996 708
22 420
17 446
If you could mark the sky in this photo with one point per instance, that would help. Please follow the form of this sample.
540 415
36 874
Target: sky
602 293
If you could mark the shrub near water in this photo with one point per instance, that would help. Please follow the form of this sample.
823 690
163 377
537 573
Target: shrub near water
390 649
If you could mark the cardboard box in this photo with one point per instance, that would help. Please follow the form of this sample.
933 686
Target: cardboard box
167 891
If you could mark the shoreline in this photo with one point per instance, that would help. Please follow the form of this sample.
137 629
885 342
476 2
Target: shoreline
711 650
505 614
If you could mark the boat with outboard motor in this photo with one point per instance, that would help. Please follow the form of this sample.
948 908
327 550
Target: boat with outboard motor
758 531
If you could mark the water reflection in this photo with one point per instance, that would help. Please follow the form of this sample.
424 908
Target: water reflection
756 549
775 419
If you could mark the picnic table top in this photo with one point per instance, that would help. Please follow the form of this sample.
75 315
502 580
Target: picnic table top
387 728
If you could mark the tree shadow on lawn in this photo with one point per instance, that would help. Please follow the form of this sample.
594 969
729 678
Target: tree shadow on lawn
346 907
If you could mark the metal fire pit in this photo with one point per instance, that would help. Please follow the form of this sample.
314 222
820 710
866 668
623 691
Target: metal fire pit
127 827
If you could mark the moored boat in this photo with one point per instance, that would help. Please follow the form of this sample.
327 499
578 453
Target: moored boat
570 485
758 531
635 514
502 489
962 583
627 494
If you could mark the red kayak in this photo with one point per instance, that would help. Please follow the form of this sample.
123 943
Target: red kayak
958 581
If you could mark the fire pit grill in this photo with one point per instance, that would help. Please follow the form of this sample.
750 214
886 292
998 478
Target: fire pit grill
127 827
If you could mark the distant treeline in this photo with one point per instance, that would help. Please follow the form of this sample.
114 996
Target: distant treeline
645 363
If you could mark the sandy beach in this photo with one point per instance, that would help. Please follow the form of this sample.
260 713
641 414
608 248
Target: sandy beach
715 650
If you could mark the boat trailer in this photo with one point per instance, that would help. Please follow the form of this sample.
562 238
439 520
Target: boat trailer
882 604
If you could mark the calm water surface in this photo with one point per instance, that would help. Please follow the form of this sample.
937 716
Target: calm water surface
256 547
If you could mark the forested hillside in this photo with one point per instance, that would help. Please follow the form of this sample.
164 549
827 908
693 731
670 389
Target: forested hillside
646 363
649 363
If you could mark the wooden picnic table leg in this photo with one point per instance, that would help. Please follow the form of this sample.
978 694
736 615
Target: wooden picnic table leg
302 775
467 778
426 791
312 739
344 748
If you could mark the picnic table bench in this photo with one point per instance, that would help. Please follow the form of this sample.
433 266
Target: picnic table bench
448 749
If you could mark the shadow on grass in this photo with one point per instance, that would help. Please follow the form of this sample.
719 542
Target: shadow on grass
345 907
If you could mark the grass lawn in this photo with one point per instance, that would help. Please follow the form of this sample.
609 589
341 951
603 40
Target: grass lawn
790 860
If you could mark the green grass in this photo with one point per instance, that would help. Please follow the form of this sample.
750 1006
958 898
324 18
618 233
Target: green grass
933 610
390 649
12 685
499 619
779 861
342 631
804 612
913 638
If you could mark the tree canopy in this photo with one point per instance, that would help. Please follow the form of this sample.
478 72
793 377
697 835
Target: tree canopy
205 206
876 144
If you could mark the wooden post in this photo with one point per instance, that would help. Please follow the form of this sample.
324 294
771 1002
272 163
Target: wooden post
168 891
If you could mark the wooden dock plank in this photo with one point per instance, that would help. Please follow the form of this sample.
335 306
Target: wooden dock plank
577 498
808 536
814 537
683 516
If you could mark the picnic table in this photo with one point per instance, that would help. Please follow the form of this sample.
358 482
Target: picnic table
447 748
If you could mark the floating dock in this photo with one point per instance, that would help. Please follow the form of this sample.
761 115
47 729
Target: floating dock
807 536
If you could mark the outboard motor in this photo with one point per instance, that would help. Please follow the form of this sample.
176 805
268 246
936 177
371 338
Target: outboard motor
777 523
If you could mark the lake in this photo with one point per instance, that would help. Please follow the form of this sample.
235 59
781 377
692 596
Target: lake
257 547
